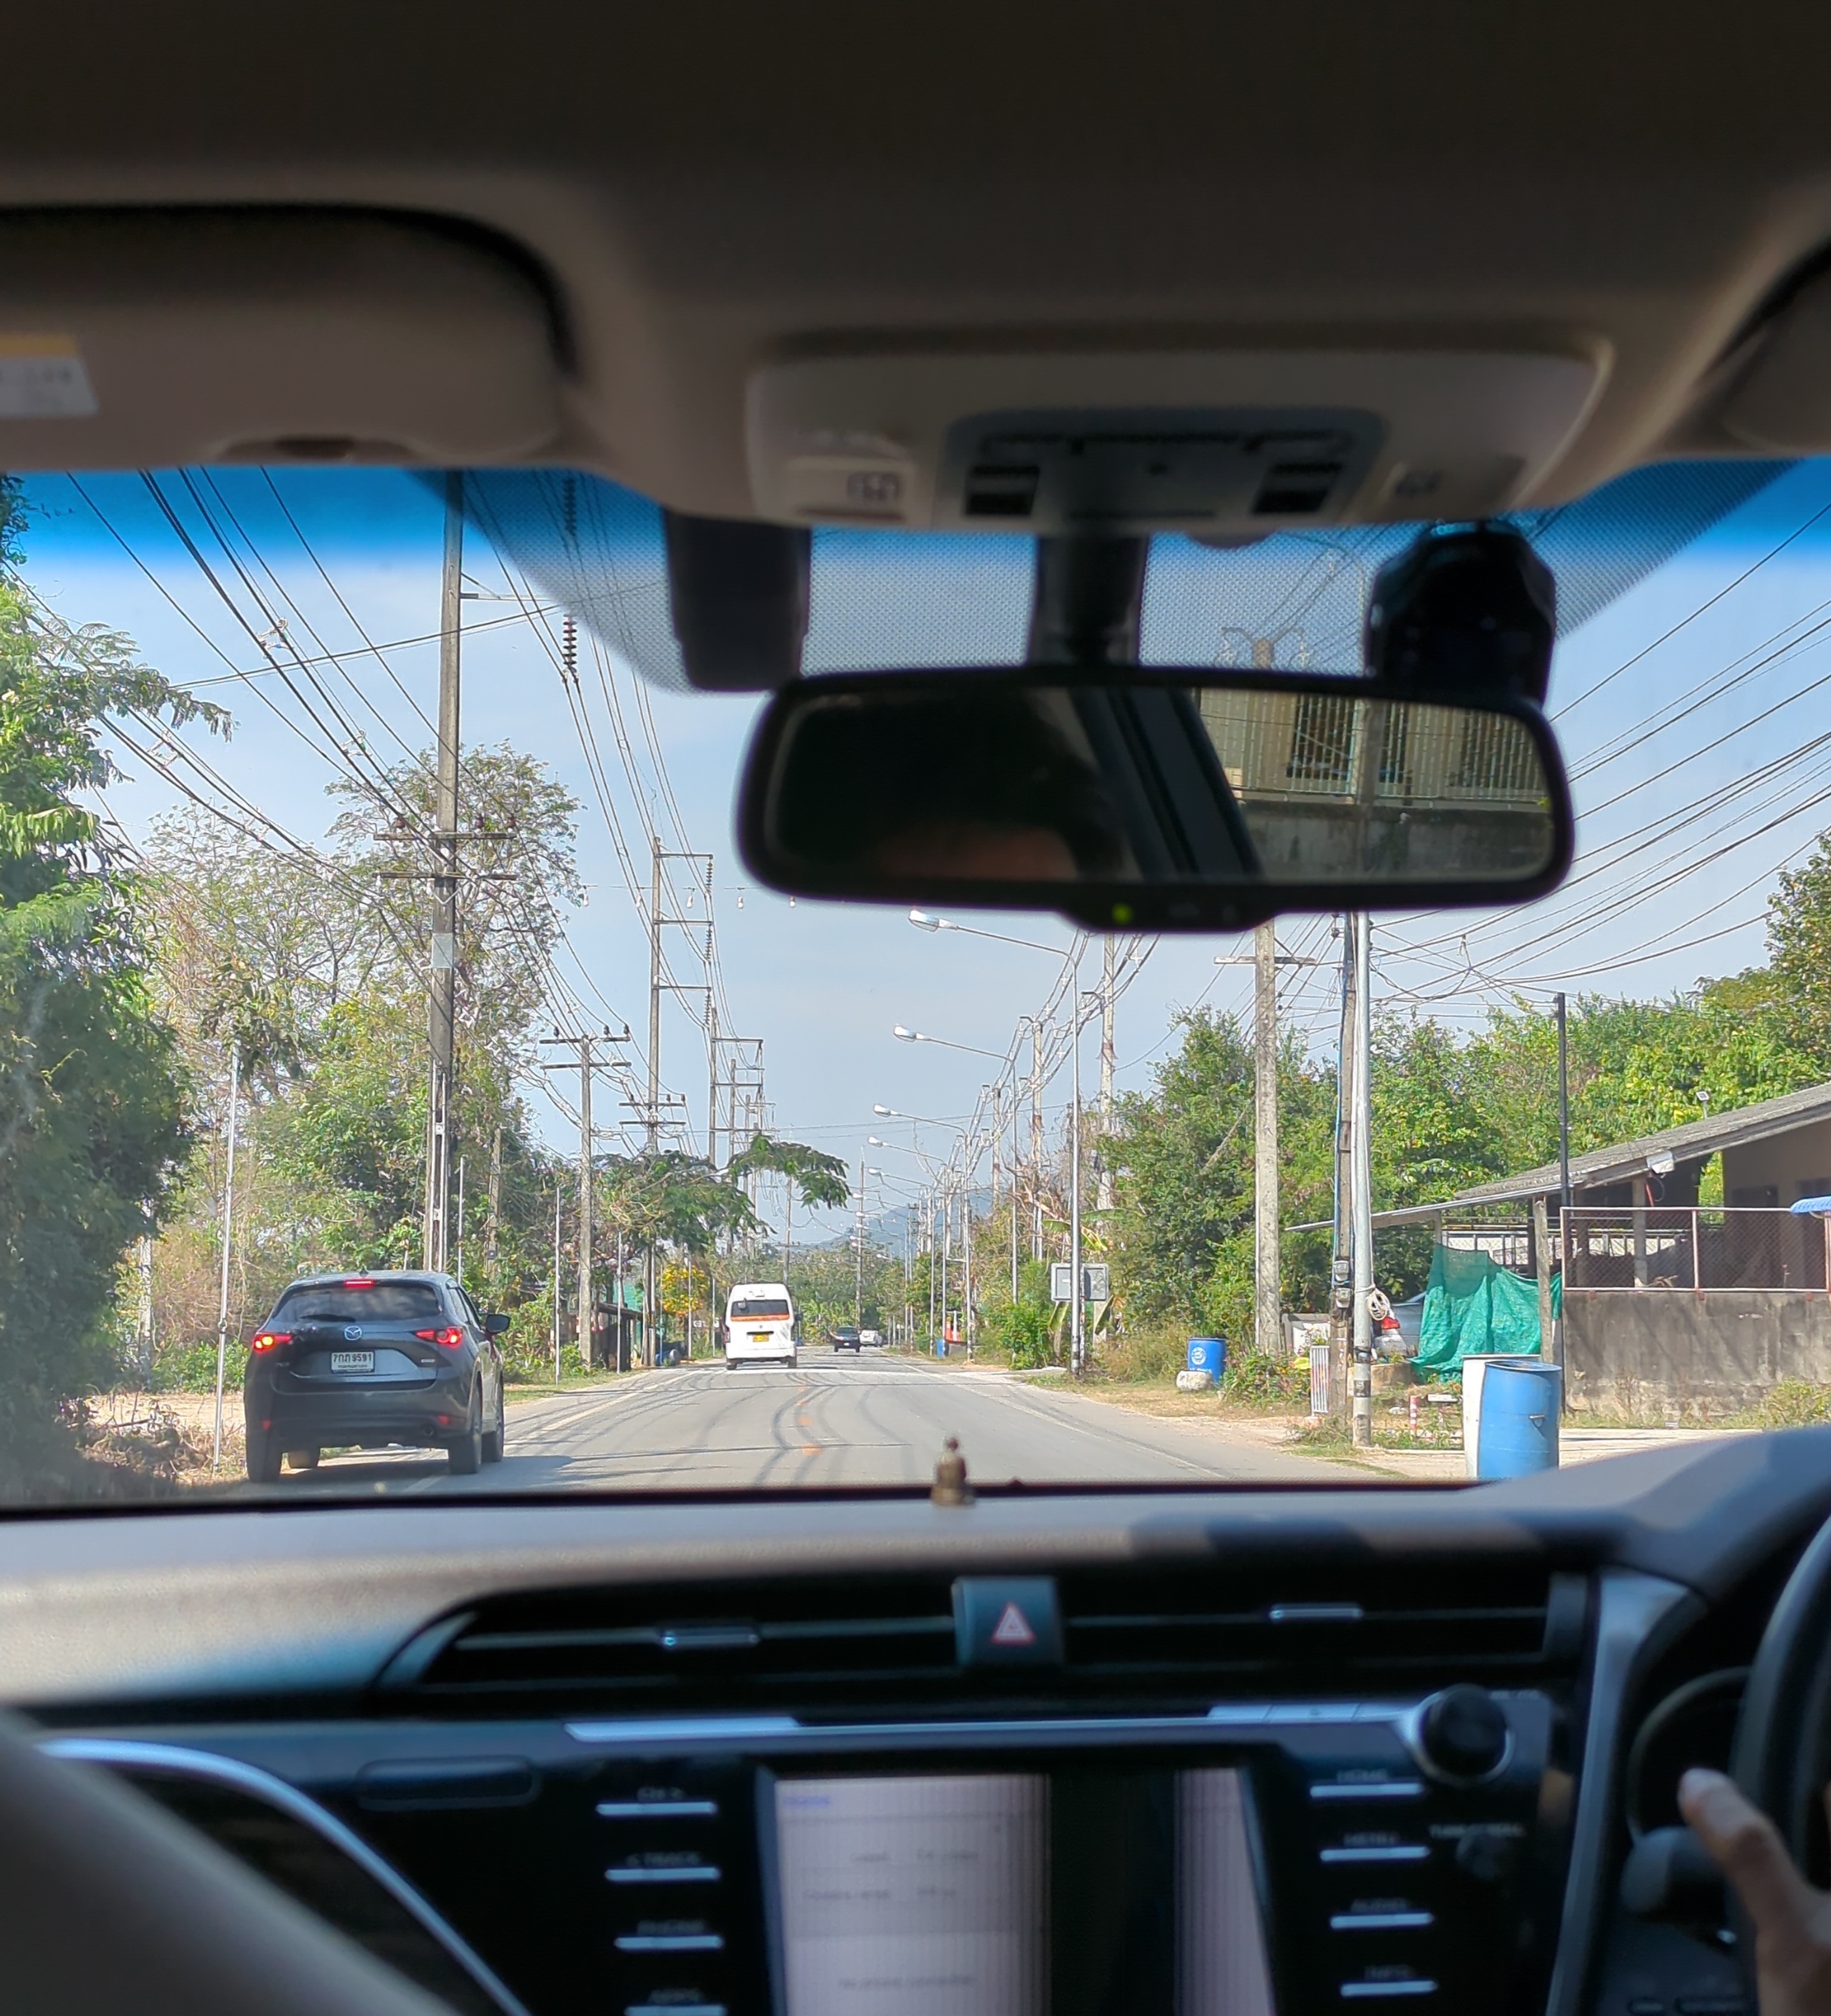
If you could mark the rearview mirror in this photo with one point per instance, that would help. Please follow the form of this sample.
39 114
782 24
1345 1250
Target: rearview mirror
1152 800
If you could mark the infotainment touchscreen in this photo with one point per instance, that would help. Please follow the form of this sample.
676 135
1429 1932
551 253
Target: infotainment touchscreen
1221 1965
913 1896
967 1895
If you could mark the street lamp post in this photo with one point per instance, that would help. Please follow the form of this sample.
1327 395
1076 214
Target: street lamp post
903 1035
923 922
1077 1316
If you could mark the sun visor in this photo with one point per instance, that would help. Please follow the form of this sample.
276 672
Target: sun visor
1221 443
1780 402
131 341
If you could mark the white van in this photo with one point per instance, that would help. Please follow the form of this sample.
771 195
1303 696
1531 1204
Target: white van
760 1324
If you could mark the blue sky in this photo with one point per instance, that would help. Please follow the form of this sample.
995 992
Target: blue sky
1688 710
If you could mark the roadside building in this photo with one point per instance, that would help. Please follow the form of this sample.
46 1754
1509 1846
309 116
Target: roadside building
1670 1306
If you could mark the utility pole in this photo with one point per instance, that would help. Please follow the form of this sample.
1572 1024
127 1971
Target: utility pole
1077 1312
557 1296
587 1064
234 1080
712 1075
652 1117
1109 977
1014 1242
1267 1258
1267 1312
1563 1105
858 1279
1341 1273
442 999
1036 1136
966 1258
1563 1171
1361 1172
143 1323
496 1196
658 919
928 1203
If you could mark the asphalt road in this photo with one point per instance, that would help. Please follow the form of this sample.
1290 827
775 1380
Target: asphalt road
833 1421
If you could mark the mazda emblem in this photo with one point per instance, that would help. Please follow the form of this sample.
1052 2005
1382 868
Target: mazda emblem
351 1332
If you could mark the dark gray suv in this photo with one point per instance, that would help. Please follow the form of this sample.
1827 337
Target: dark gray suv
372 1361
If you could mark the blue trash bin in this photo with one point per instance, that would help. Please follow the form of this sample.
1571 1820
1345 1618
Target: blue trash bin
1518 1435
1209 1354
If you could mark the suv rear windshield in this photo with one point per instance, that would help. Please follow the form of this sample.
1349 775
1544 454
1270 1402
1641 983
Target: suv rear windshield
388 1302
752 1310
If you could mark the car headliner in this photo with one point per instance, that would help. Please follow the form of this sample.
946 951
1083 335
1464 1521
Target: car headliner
691 189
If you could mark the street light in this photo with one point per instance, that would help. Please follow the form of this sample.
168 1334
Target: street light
894 1113
903 1035
923 922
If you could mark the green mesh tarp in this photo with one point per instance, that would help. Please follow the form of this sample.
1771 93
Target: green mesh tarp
1471 1305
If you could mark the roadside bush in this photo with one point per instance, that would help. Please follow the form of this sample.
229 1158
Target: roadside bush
1269 1381
1024 1331
189 1366
1143 1356
1795 1403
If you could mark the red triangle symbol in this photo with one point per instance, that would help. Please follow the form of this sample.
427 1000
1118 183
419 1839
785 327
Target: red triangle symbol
1013 1628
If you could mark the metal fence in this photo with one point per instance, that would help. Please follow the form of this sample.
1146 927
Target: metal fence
1703 1248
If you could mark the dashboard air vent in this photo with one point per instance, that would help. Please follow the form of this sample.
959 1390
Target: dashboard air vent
1139 1640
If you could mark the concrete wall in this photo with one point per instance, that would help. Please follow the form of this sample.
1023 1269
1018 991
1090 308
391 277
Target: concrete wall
1793 1165
1671 1353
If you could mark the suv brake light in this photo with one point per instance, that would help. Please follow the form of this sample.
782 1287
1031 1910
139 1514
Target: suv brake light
267 1339
450 1338
364 1282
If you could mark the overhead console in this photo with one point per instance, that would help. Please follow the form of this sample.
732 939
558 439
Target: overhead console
1218 443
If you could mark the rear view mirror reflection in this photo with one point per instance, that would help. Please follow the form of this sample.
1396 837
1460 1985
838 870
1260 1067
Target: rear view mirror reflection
1192 799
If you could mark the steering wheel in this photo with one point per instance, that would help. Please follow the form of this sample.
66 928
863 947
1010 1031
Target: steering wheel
1782 1757
112 1907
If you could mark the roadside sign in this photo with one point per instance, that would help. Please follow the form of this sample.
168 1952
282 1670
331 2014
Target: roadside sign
1096 1281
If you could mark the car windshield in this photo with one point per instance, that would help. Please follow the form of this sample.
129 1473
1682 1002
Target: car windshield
369 910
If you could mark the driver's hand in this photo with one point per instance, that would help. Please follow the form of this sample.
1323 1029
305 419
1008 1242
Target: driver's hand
1792 1920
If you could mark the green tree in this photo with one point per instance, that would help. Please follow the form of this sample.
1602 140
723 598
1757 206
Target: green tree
92 1136
313 964
817 1178
1182 1154
1799 953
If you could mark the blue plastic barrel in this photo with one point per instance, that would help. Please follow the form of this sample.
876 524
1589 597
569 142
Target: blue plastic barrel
1518 1431
1208 1354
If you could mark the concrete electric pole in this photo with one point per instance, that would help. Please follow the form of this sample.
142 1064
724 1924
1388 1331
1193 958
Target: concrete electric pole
1267 1313
442 1001
586 1062
1267 1250
1362 1174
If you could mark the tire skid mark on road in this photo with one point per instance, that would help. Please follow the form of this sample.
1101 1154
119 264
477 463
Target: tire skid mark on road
704 1427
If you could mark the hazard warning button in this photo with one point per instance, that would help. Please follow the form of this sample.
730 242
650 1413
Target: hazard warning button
1002 1621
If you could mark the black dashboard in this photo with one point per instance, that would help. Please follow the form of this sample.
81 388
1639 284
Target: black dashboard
1250 1754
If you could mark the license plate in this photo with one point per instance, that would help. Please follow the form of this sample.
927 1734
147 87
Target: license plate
352 1360
759 1336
